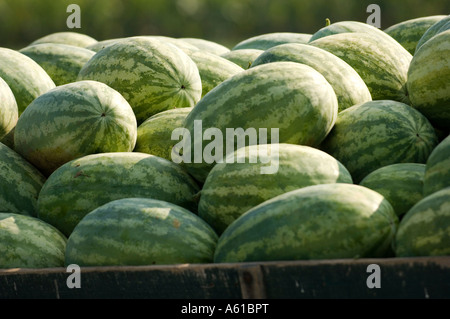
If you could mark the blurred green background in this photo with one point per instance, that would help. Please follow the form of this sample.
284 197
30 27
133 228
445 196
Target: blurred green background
223 21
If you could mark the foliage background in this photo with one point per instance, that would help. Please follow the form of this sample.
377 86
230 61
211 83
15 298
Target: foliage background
223 21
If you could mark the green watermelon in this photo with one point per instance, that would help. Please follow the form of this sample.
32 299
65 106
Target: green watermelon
439 26
207 45
28 242
20 183
140 231
409 32
401 184
429 80
374 134
243 57
327 221
62 62
382 64
26 79
437 172
268 40
73 120
151 75
67 37
239 183
9 112
97 46
82 185
154 136
288 98
349 87
424 230
213 69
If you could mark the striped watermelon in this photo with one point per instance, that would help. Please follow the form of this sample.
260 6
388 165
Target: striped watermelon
291 97
207 45
140 231
374 134
349 87
437 173
28 242
327 221
437 27
401 184
213 69
424 230
154 136
74 120
62 62
268 40
429 80
67 37
382 64
20 183
97 46
409 32
82 185
25 77
243 57
9 112
238 184
152 76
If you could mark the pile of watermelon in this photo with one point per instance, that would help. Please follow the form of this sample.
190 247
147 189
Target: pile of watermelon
357 122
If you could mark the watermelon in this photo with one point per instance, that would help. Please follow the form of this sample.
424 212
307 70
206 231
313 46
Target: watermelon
97 46
154 136
213 69
26 79
424 230
67 37
82 185
9 112
28 242
378 133
239 183
429 80
20 183
243 57
439 26
382 64
151 75
180 44
207 45
288 98
62 62
409 32
437 172
326 221
95 117
268 40
349 87
401 184
140 231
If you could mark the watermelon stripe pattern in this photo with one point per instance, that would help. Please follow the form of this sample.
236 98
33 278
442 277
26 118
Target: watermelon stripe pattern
312 223
26 79
151 75
382 65
20 183
429 78
349 87
82 185
437 27
28 242
437 172
138 231
96 119
378 133
425 229
237 185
